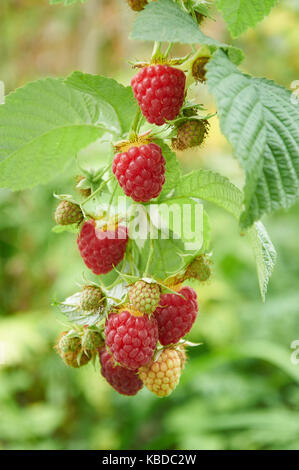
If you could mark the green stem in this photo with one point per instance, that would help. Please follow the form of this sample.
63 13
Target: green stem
150 257
134 126
99 175
168 49
156 49
97 190
112 196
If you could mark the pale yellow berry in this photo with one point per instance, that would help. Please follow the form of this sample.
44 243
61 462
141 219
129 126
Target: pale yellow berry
162 376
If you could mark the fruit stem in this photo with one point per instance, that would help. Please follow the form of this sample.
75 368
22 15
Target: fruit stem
150 256
156 50
134 126
97 190
112 196
168 50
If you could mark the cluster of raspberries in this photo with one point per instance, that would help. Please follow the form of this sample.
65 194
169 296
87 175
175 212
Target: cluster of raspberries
142 346
140 343
136 347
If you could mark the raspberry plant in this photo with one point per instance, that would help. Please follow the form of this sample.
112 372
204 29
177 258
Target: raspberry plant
133 312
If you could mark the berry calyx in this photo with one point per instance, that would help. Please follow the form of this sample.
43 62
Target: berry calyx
145 296
92 340
190 134
163 375
68 213
160 92
124 381
70 350
131 339
137 5
140 171
176 315
92 299
199 269
102 249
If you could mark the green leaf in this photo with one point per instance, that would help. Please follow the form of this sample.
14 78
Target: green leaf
73 228
260 121
47 122
212 187
186 219
164 20
241 14
265 255
169 257
116 103
217 189
173 170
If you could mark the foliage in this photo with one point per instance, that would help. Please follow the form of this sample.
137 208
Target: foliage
241 387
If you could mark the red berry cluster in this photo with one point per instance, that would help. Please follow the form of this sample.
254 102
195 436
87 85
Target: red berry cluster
132 337
139 343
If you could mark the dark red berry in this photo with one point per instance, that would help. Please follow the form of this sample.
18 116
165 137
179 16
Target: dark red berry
176 315
132 340
123 380
160 91
100 249
140 171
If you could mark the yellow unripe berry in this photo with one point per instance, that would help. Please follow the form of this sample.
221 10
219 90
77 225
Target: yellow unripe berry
162 376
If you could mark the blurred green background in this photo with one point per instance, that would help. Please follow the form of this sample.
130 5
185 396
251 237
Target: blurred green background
240 389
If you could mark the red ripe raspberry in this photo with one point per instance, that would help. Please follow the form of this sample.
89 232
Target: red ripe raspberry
159 90
140 171
102 250
123 380
176 315
131 340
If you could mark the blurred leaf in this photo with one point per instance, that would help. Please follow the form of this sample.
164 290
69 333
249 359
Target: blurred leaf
164 20
66 2
240 14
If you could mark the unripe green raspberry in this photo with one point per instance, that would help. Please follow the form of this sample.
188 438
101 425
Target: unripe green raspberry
137 5
68 213
199 269
92 299
144 296
163 375
92 340
70 350
190 134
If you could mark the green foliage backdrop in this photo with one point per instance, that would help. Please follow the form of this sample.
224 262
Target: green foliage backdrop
240 389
